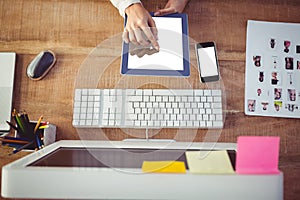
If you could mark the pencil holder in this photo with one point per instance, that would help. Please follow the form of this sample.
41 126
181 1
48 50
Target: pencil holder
49 134
43 136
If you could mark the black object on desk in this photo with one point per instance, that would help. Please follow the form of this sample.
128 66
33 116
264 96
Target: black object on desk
41 65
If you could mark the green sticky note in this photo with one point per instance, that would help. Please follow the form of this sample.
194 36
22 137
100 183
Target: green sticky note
209 162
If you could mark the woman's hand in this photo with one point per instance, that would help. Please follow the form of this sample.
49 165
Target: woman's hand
140 28
173 6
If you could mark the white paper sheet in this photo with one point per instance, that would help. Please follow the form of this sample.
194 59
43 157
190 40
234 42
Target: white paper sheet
272 76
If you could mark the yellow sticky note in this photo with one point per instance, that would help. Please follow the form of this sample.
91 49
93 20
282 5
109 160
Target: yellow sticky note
209 162
164 166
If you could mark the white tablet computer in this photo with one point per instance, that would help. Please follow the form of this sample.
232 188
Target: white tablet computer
173 57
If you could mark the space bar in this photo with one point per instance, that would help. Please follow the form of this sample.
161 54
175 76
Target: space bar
171 92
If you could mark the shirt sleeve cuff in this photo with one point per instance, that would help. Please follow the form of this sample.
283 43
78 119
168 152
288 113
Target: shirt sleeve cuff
122 5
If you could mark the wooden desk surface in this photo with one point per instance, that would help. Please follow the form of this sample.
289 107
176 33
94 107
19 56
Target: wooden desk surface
72 29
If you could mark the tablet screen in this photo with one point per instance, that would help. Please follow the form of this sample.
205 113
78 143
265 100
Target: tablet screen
173 57
170 55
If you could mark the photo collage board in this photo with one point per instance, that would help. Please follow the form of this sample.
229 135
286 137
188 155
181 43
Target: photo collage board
272 74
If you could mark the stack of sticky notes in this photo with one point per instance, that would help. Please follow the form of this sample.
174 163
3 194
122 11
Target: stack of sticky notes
209 162
255 155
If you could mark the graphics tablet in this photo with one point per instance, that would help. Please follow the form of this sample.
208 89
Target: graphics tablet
173 57
81 169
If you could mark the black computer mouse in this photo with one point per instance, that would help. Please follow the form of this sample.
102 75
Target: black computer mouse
41 65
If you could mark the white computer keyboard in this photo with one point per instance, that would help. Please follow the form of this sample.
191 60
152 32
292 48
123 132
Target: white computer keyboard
148 108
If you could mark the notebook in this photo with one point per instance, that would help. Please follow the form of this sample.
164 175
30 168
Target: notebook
272 76
7 71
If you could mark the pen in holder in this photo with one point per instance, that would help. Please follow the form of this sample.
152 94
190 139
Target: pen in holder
44 135
30 135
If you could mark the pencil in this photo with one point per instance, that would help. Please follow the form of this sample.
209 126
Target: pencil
13 141
38 141
26 117
38 124
25 123
17 138
43 126
11 125
21 148
45 123
18 121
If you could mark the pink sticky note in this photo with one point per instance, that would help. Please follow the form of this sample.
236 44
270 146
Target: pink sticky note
257 155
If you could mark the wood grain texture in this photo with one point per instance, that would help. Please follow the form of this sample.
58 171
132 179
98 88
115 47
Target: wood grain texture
80 32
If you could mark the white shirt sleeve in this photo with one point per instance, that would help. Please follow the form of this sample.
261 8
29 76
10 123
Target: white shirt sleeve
121 5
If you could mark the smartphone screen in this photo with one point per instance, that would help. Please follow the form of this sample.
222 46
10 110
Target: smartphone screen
207 61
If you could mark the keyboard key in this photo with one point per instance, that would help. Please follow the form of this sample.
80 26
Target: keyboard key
183 92
216 92
207 92
198 92
218 124
217 99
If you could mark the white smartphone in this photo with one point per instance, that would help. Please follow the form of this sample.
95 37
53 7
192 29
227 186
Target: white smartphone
207 62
